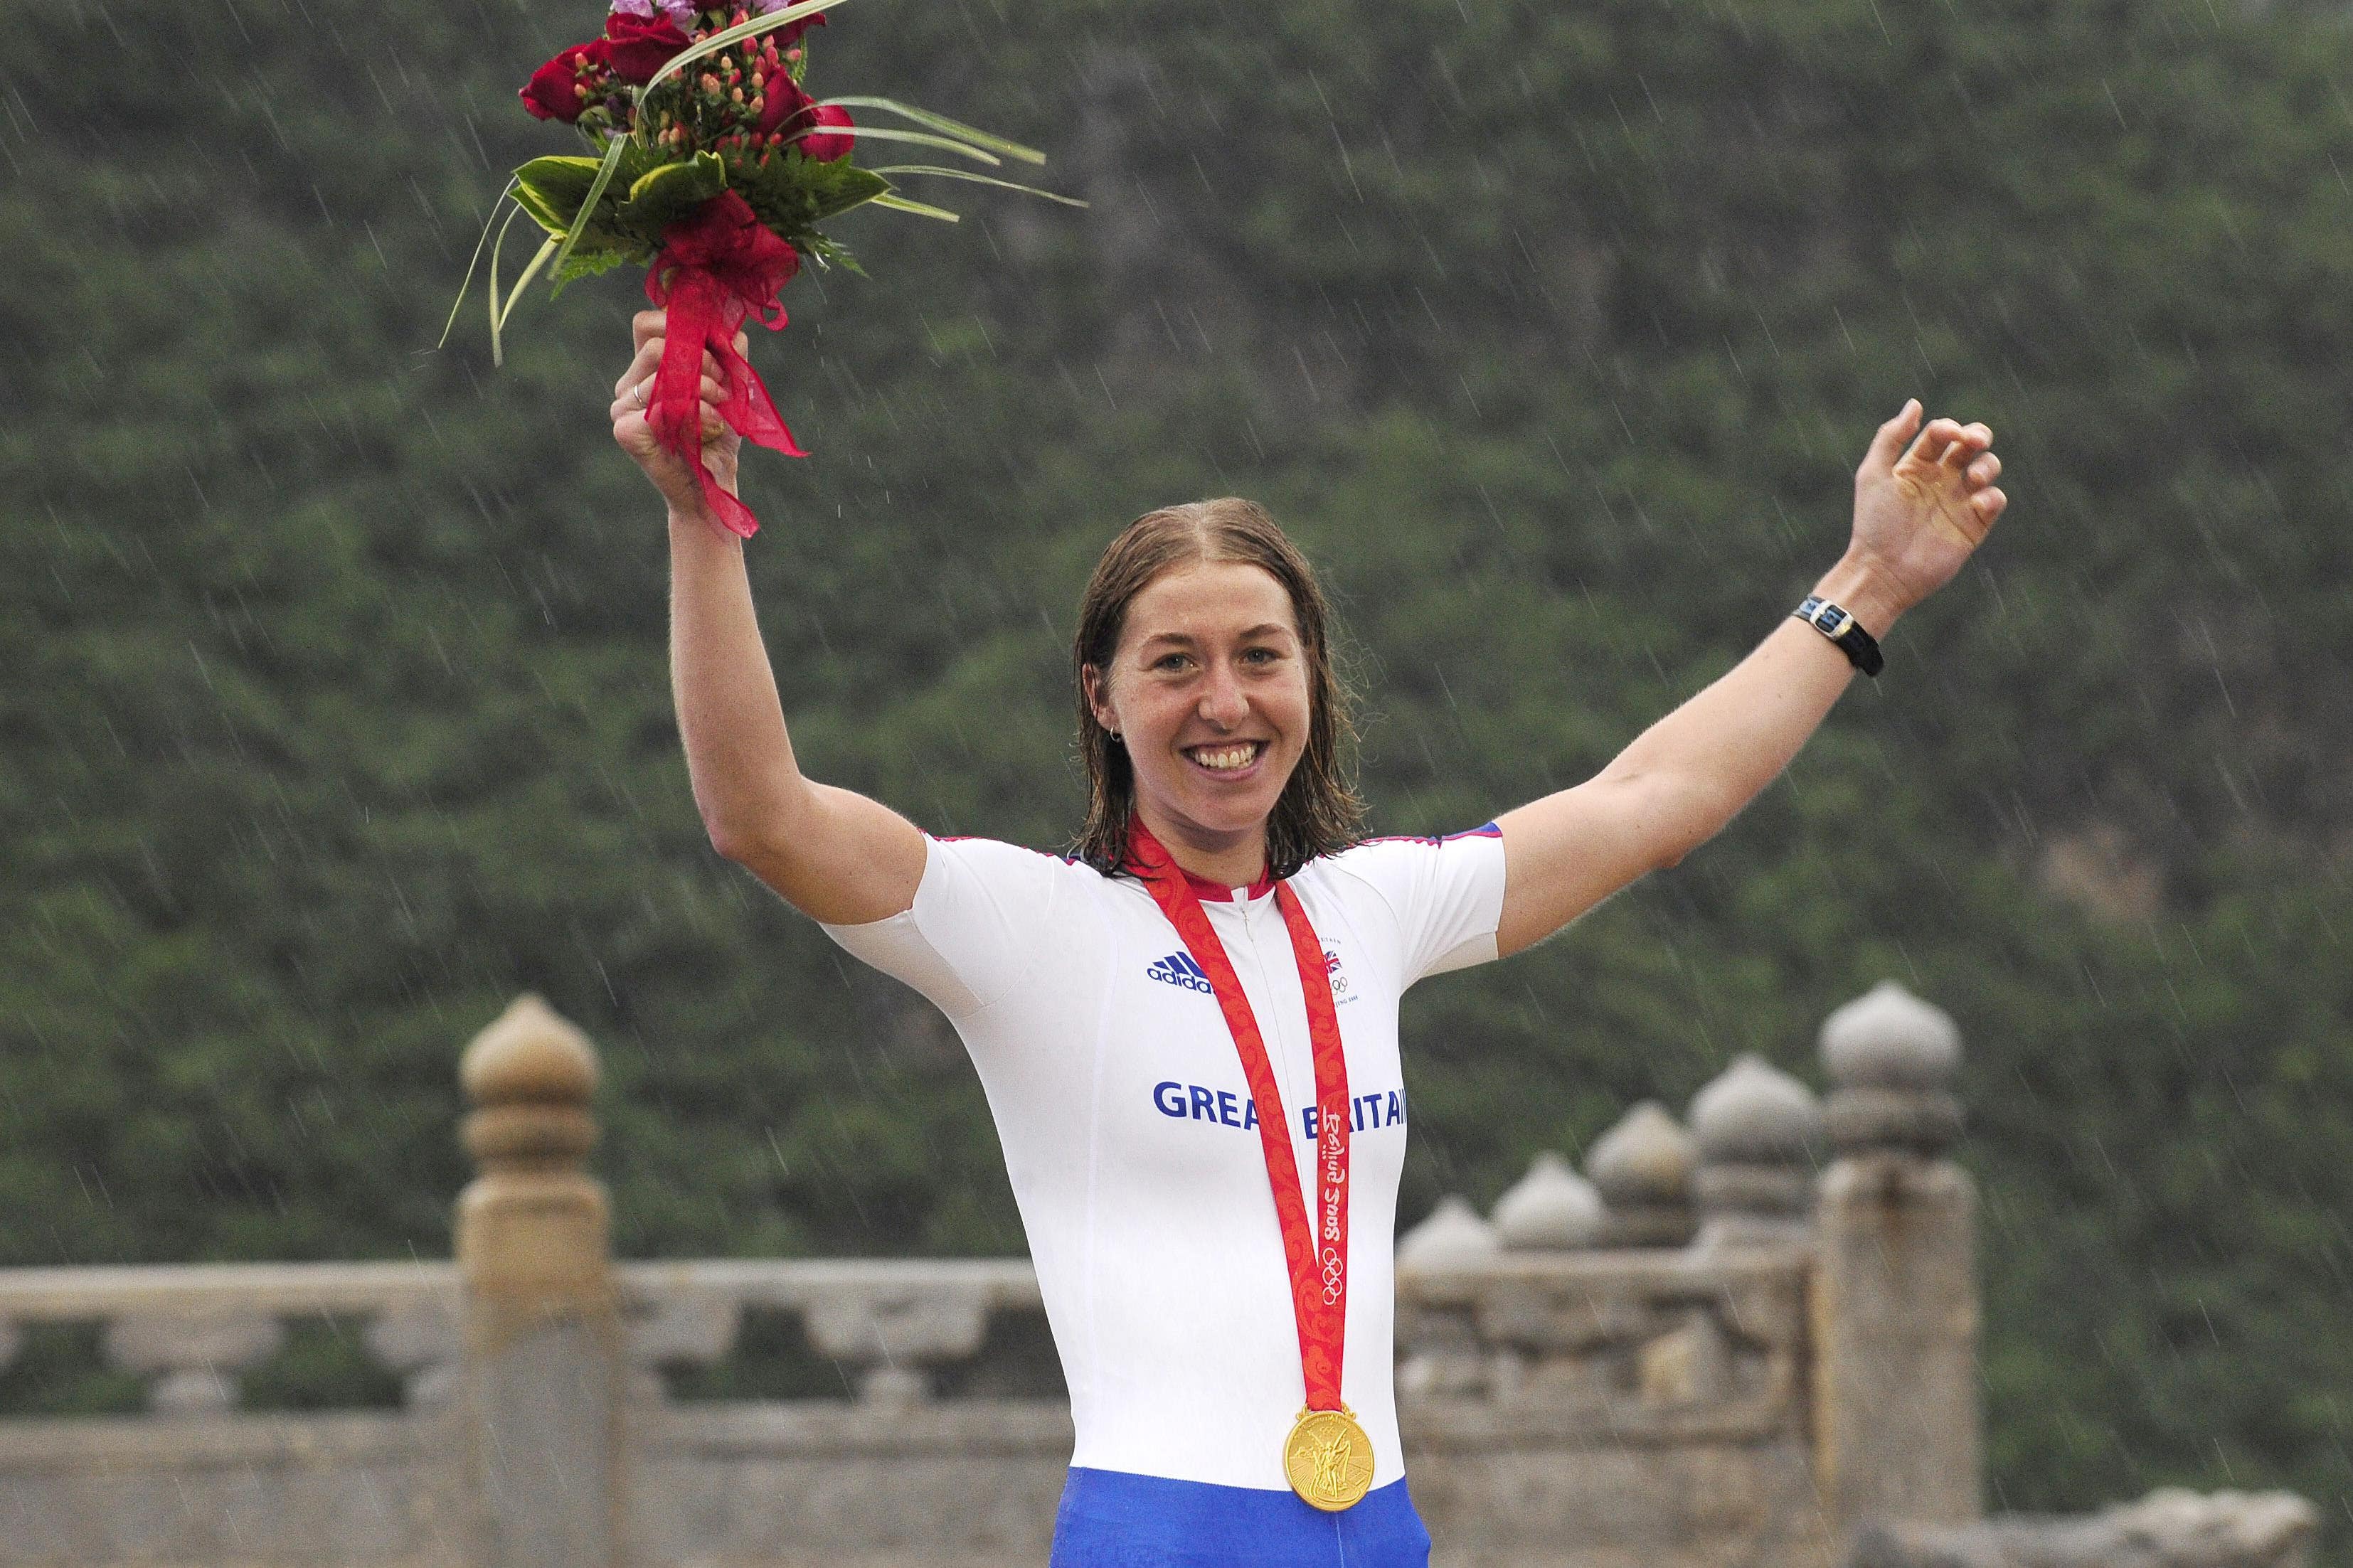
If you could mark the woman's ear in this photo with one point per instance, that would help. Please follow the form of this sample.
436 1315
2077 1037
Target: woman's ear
1098 691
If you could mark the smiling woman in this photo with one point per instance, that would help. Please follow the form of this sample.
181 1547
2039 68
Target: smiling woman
1204 673
1187 1029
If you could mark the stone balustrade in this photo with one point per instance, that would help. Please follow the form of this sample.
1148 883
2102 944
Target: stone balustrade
192 1330
891 1325
1654 1347
1709 1348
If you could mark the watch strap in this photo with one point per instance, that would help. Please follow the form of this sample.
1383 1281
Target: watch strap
1833 622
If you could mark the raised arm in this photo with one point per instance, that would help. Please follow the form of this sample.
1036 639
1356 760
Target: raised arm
1921 507
834 855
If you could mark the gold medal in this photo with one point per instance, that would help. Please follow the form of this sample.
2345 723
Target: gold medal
1328 1459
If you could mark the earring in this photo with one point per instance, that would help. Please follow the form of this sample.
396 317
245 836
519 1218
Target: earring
1114 734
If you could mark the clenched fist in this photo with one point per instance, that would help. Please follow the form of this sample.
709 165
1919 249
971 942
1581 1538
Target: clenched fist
667 471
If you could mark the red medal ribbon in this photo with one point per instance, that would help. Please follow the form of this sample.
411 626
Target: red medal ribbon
715 268
1316 1246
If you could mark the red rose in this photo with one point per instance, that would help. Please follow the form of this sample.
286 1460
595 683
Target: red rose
786 108
825 148
790 33
638 47
792 111
553 90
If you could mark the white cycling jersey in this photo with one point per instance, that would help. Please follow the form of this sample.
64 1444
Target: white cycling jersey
1132 1139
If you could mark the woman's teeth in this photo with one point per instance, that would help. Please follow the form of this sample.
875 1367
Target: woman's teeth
1227 759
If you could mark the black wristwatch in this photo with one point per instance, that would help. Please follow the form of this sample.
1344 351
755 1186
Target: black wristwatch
1859 647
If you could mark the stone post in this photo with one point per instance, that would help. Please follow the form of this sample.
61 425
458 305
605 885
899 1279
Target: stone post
1894 1303
1643 1168
1757 1130
1439 1355
1552 1209
543 1369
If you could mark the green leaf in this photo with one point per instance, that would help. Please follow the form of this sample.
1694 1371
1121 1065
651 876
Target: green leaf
552 189
579 226
466 281
546 250
498 353
792 193
843 185
672 192
941 123
588 263
828 252
875 133
980 180
898 204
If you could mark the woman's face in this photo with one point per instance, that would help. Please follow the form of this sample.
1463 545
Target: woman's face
1209 689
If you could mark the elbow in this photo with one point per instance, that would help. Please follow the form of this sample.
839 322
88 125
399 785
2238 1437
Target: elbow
731 839
752 834
727 842
1669 848
1686 831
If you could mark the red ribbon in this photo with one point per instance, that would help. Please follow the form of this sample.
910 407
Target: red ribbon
1316 1246
715 268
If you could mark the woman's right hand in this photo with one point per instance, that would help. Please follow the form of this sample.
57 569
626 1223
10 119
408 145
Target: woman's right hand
671 473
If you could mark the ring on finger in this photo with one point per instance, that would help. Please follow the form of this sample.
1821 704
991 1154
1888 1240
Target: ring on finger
640 390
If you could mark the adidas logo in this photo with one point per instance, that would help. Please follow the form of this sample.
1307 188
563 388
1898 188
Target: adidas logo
1179 969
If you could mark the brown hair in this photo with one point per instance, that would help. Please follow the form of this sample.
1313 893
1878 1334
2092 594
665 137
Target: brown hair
1318 812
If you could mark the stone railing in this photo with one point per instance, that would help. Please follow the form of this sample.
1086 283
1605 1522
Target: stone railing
1711 1347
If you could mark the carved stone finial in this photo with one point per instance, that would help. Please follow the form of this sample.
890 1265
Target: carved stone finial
1453 1236
1643 1169
530 1076
1757 1129
1753 1113
1889 1038
1552 1208
1892 1059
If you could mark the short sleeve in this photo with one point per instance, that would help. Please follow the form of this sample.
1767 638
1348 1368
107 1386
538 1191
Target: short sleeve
976 929
1447 895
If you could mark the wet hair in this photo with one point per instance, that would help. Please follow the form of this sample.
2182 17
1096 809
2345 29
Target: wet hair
1318 812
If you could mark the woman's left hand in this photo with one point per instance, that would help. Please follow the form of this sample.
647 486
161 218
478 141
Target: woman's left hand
1921 509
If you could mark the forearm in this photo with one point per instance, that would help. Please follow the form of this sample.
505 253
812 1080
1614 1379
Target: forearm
739 758
1683 779
1701 765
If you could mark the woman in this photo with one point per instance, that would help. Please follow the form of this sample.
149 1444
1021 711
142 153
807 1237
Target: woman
1188 1030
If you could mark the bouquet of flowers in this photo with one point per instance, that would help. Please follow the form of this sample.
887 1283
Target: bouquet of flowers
713 168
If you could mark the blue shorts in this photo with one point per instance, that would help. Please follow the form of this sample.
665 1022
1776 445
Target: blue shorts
1109 1518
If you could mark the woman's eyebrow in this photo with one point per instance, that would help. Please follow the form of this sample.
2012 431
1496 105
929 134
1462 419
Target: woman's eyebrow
1187 640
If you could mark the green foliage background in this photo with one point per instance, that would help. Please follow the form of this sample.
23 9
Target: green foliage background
338 714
